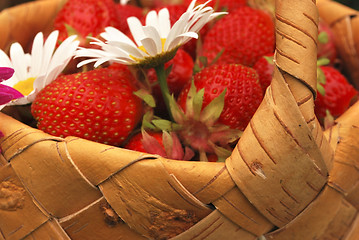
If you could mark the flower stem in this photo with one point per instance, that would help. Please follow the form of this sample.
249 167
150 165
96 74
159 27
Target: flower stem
161 76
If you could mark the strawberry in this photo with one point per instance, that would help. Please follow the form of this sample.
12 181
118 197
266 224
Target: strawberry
98 105
245 35
326 44
265 67
243 96
161 143
181 73
227 5
338 95
136 142
85 18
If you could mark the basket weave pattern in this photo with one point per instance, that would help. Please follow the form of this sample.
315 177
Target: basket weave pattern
286 178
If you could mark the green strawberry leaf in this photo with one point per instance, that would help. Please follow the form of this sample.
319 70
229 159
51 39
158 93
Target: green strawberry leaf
146 97
203 60
322 61
222 153
165 125
70 30
196 68
323 37
197 104
146 121
269 59
213 110
176 111
189 100
320 89
217 57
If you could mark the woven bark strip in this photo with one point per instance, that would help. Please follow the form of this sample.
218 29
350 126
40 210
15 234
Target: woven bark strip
20 23
344 22
97 221
282 181
215 226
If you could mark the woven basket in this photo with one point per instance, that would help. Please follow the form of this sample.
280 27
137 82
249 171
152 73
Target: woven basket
286 178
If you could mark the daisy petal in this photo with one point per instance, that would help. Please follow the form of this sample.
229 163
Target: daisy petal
17 56
5 60
150 46
37 54
49 48
152 20
136 29
165 23
176 29
113 34
134 51
152 33
182 39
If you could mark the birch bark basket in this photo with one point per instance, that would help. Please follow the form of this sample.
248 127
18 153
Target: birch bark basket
286 178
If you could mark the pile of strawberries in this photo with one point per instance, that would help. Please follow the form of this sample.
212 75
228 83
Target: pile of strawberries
217 82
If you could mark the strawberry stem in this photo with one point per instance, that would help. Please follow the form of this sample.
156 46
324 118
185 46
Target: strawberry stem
162 79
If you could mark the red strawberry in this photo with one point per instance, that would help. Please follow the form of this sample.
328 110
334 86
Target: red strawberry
136 142
98 105
85 18
228 5
161 143
265 67
339 93
243 95
245 35
326 44
126 11
180 75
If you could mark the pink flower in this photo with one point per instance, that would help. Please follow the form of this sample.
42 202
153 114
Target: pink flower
7 94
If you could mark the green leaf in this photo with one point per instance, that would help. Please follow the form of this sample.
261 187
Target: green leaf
146 121
321 76
322 61
320 89
269 59
189 100
213 110
146 97
323 37
217 56
176 111
222 153
196 69
203 60
197 104
70 30
165 125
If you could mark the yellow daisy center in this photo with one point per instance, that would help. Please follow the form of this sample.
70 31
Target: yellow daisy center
26 86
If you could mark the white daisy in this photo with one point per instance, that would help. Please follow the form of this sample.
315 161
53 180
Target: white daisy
155 43
36 70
